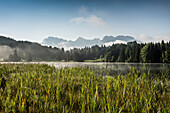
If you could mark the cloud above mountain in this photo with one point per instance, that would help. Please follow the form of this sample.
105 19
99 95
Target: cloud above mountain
91 20
157 38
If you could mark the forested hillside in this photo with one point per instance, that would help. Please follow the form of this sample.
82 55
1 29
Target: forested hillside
28 51
130 52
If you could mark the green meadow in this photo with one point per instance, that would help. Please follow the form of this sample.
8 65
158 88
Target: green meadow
41 88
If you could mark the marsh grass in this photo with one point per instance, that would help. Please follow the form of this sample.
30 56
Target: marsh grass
42 88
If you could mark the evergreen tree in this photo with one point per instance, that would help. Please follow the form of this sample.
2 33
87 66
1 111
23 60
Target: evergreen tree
29 58
167 54
145 53
127 53
121 57
162 51
14 57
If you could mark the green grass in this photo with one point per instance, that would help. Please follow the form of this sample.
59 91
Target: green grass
41 88
96 60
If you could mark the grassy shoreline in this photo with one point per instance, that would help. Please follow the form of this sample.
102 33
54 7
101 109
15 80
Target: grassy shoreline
43 88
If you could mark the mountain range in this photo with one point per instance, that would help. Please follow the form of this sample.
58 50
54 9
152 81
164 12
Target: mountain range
81 42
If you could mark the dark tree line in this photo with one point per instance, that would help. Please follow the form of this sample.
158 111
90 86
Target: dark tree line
130 52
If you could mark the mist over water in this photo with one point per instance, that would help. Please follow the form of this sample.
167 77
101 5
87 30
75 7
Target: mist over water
111 68
117 68
5 51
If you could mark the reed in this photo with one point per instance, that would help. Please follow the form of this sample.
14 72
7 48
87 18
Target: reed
43 88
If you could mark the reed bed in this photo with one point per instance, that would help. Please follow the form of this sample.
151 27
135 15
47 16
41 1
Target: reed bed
42 88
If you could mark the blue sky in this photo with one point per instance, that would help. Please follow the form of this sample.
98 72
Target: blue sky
34 20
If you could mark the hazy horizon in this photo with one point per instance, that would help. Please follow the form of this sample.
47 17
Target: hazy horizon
34 20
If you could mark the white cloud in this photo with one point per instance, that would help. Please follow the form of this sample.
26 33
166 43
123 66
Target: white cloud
115 42
78 20
91 20
146 38
165 38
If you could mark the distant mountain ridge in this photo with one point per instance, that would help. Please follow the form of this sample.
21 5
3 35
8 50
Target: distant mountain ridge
50 40
81 42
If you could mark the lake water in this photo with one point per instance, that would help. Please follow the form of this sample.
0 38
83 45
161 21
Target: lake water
116 68
113 68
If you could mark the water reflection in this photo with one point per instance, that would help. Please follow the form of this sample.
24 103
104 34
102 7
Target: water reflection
116 68
112 68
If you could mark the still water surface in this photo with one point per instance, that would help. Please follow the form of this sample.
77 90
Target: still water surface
116 68
113 68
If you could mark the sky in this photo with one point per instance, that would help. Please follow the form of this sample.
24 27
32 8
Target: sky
34 20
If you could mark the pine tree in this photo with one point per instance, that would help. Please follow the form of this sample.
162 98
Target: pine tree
121 57
145 53
167 53
14 57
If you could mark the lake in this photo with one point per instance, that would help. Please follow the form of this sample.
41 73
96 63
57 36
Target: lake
112 68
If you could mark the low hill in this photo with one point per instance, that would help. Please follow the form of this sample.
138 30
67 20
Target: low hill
28 50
